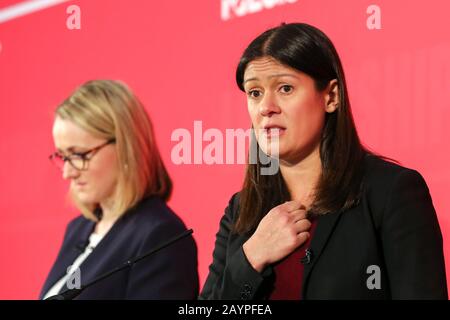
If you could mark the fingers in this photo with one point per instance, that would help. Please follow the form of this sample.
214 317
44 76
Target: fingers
302 226
291 205
303 237
298 214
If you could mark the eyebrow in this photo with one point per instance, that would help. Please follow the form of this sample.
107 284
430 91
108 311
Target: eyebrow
72 149
273 76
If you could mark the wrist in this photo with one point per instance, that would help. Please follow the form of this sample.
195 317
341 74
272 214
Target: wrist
256 260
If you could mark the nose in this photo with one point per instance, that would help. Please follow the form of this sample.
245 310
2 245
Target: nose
68 171
268 106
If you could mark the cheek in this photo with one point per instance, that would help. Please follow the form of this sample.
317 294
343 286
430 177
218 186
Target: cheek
306 119
253 113
103 176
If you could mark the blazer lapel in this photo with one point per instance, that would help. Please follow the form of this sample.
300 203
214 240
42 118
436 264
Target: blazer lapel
68 253
324 229
96 263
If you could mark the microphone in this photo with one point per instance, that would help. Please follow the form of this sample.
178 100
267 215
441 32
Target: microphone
72 293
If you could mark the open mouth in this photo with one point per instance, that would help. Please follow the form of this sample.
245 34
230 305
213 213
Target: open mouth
273 131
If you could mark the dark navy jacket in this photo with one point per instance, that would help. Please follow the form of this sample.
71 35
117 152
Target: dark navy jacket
168 274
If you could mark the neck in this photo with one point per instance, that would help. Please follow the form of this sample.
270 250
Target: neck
302 177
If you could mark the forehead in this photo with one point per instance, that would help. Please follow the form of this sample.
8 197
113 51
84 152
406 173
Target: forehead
67 134
267 66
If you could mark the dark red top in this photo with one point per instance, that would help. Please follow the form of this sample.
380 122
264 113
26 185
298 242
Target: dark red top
289 272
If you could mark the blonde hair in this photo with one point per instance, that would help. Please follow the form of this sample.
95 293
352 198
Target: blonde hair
108 109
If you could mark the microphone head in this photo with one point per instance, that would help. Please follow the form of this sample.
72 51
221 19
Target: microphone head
55 297
66 295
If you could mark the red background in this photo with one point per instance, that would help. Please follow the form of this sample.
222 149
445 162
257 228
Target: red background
180 58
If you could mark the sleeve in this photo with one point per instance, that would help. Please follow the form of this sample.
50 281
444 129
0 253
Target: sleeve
231 276
170 274
412 241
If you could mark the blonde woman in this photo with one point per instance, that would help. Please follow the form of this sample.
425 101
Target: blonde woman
106 148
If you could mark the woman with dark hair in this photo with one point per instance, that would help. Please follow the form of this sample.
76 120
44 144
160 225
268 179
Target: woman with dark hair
336 221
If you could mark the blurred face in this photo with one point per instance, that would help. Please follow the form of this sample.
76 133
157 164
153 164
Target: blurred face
97 183
284 104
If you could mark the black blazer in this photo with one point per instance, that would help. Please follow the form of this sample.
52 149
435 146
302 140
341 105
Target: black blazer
168 274
394 227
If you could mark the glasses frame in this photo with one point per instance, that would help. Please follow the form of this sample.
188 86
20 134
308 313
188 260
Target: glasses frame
85 156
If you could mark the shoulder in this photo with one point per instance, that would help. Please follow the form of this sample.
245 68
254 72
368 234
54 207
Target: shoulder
152 222
152 214
390 188
377 165
380 174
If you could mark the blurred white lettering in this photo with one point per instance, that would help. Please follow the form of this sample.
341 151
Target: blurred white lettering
74 20
240 8
374 20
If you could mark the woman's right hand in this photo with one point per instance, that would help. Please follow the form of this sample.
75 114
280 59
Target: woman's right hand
278 234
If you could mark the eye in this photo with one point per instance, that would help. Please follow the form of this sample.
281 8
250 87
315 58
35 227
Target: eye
254 93
286 88
79 155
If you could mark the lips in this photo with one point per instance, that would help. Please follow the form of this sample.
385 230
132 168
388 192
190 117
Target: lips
80 184
272 130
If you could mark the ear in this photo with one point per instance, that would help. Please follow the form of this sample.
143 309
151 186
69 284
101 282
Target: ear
332 98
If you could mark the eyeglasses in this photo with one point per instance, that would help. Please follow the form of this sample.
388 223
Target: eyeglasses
77 160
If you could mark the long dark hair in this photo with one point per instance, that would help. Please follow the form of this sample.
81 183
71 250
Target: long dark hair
307 49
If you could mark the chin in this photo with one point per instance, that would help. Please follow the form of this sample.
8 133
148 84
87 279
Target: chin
280 153
85 197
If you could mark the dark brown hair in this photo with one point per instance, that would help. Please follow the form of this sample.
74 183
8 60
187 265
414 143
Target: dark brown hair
307 49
